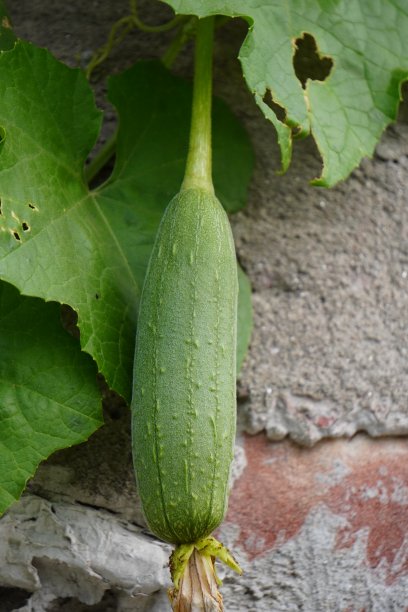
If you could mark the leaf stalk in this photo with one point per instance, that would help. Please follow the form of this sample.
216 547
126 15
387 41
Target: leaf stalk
106 152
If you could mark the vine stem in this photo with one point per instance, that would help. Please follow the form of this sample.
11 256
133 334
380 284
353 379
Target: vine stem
198 173
144 27
185 32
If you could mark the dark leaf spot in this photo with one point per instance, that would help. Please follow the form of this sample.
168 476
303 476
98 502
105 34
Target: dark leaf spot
25 226
307 61
16 235
69 320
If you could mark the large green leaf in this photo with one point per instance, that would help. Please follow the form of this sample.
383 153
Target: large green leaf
61 242
49 398
346 112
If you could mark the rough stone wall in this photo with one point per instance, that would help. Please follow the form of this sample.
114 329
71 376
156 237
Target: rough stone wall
330 276
318 524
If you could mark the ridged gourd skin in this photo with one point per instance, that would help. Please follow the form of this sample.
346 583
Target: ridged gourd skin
184 402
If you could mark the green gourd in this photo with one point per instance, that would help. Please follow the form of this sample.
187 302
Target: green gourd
184 406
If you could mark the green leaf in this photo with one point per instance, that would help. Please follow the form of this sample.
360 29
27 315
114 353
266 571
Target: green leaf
347 111
7 37
244 317
49 397
61 242
54 241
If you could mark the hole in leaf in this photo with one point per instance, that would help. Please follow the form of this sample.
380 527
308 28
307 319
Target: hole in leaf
279 111
308 62
297 131
16 235
69 320
25 226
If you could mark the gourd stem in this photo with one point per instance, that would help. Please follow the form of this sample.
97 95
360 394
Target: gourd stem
198 172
